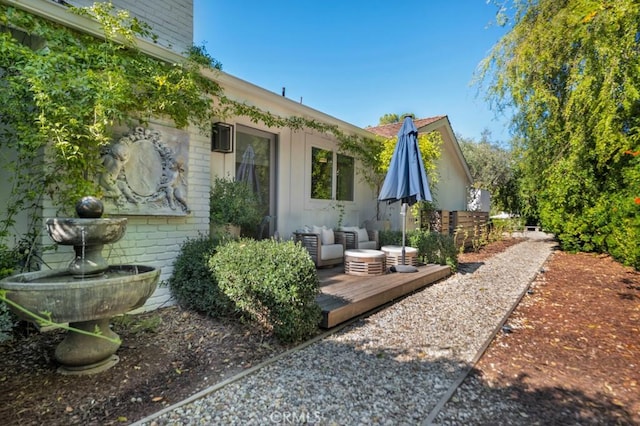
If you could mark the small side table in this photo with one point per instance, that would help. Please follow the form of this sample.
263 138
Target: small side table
364 262
394 255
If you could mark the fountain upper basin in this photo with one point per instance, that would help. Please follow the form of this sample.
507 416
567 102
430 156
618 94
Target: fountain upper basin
121 289
86 231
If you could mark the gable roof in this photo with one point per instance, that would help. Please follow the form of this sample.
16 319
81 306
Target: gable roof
391 130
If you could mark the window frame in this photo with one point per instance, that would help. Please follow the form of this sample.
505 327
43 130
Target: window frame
312 203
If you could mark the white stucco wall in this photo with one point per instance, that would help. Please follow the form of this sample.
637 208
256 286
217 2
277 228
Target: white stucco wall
451 190
156 240
295 208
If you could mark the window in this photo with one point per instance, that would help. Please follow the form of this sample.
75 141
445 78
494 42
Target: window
344 178
323 175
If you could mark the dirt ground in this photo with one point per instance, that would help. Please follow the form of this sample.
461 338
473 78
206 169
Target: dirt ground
575 338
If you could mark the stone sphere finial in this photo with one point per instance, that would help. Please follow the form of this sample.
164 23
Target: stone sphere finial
89 207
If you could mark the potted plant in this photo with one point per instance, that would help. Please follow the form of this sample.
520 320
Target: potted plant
234 207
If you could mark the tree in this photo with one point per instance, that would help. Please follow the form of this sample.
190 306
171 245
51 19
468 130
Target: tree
391 118
388 119
492 168
570 70
375 157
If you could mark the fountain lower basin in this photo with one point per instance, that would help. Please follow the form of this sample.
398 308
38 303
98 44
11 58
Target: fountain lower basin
120 289
87 304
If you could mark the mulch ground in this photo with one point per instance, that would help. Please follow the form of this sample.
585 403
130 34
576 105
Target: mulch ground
572 355
574 339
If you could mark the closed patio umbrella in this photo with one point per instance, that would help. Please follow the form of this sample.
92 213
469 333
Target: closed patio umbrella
247 170
406 179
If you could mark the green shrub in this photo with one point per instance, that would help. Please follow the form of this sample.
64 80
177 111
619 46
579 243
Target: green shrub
434 247
390 238
274 284
192 283
9 262
234 202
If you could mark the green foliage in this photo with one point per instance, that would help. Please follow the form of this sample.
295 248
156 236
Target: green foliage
270 283
9 262
388 119
391 118
63 95
500 226
234 202
433 247
193 284
569 70
492 168
138 324
7 322
375 156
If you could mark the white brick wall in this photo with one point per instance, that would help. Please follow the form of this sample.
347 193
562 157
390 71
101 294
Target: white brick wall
171 20
155 240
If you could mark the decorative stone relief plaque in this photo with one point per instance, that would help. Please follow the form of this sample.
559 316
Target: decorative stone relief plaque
145 173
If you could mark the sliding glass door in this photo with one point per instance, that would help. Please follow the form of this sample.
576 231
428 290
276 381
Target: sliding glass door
255 163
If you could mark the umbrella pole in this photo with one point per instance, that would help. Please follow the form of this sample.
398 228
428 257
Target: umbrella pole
403 267
403 212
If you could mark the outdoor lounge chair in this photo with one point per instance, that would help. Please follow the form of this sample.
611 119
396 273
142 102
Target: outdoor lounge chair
325 246
360 238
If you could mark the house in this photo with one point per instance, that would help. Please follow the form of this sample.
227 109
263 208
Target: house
303 178
451 191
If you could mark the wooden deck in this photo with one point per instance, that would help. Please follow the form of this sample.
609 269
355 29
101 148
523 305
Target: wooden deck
346 296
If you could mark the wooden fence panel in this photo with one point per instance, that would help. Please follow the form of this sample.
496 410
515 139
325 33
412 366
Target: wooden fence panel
468 227
436 221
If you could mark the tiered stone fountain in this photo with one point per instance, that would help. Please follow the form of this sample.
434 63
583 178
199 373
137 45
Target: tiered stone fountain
88 293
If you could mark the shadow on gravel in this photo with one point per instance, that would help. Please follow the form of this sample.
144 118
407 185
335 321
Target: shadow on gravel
469 267
519 404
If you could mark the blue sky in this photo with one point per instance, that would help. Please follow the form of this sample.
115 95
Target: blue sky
358 60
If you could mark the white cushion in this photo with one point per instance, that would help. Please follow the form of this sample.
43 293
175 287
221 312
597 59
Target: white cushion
368 245
350 228
331 251
362 235
327 236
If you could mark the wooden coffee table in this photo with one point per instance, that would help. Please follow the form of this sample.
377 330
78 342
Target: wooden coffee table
364 262
394 255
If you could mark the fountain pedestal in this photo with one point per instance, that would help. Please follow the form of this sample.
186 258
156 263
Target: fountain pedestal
83 353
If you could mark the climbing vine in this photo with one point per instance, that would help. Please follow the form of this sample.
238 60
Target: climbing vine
375 156
63 91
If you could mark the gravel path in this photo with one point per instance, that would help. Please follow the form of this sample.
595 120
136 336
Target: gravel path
398 366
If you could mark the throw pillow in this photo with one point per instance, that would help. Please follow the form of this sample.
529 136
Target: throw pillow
327 236
363 235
